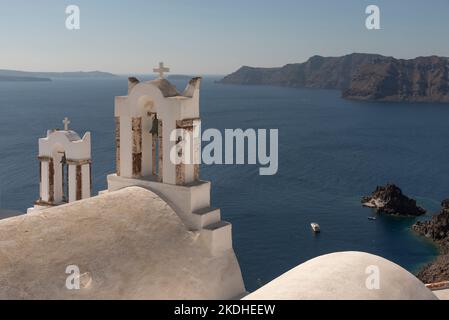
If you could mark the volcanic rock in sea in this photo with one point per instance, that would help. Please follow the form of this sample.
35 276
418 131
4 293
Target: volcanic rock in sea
390 199
436 229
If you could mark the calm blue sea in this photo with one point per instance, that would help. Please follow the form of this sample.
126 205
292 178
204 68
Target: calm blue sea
331 153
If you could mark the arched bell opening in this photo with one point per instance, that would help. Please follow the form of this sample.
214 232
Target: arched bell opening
58 176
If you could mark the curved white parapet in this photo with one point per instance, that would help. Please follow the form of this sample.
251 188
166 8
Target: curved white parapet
345 276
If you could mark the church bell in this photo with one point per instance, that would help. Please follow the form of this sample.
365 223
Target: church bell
155 126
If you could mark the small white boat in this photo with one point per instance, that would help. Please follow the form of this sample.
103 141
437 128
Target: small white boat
315 227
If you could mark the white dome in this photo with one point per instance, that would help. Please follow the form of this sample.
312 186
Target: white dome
343 275
167 89
71 135
128 244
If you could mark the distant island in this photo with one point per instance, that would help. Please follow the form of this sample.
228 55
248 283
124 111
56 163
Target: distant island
15 75
359 76
25 79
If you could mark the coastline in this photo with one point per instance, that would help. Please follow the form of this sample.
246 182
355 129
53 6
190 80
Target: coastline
436 230
437 269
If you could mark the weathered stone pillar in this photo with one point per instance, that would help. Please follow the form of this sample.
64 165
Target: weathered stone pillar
154 154
71 180
154 140
79 185
40 179
180 173
137 147
65 182
196 172
44 179
196 148
180 146
79 179
90 179
51 181
117 145
86 180
188 146
160 151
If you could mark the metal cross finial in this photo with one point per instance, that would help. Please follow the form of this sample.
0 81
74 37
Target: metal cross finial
161 70
66 123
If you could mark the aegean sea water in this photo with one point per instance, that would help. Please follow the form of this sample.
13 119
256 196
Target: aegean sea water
331 153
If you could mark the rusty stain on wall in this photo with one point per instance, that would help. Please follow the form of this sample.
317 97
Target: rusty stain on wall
137 147
196 172
90 179
137 165
153 154
51 181
40 180
79 184
160 152
117 145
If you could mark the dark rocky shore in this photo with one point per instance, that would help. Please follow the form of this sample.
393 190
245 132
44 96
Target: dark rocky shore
436 229
389 199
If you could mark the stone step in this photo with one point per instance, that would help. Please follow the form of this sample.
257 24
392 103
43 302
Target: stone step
206 216
218 236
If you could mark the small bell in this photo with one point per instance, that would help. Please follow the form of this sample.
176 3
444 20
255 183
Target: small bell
63 158
155 126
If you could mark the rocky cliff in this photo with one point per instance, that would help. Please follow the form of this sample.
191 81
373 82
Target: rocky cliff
436 229
359 76
317 72
424 79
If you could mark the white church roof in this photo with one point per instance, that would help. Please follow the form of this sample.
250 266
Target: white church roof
344 275
128 244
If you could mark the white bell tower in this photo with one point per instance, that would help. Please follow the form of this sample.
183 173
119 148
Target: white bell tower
65 167
155 125
151 122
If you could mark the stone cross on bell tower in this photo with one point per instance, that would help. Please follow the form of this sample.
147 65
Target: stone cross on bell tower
66 123
161 70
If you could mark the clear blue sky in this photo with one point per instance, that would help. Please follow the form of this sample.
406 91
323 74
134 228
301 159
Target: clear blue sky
211 36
